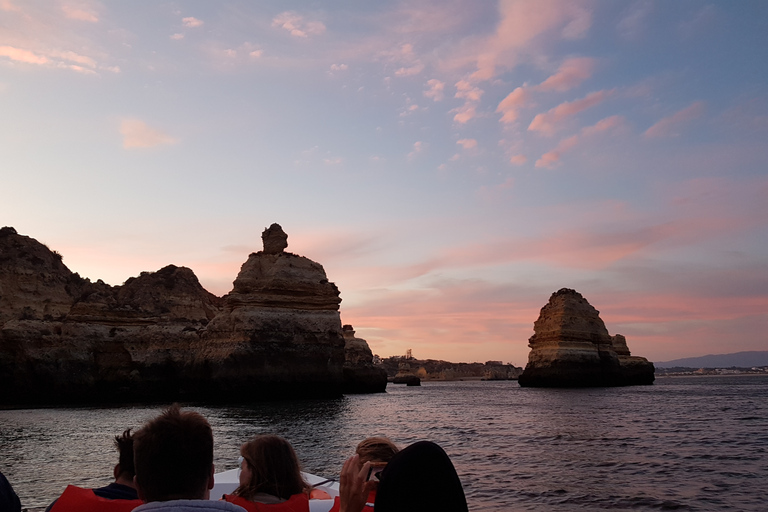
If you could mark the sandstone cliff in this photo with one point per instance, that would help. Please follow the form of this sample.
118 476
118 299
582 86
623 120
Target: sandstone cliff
161 336
571 347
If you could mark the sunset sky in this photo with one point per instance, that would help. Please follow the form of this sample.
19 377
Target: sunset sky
450 163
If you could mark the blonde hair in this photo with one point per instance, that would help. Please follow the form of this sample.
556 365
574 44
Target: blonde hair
376 449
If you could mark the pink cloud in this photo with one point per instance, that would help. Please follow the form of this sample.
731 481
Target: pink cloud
435 89
136 134
464 114
21 55
297 26
467 143
547 122
667 127
518 159
192 22
521 24
571 73
511 105
75 13
8 6
552 159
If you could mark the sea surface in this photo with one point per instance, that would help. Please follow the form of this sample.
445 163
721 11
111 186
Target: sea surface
685 443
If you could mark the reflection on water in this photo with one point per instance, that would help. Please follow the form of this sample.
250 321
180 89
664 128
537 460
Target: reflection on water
685 443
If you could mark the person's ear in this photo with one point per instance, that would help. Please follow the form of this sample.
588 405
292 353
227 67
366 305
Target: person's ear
210 478
117 471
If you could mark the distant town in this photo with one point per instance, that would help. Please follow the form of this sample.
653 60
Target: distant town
682 370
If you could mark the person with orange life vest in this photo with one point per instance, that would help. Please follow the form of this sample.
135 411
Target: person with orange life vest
378 451
270 478
119 496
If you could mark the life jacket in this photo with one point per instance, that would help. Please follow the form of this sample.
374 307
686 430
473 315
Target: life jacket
367 508
296 503
77 499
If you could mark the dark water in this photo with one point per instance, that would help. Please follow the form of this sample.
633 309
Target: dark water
687 443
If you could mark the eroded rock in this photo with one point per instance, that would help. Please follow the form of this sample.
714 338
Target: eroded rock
571 347
161 336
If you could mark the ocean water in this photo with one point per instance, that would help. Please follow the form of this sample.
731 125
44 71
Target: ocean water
685 443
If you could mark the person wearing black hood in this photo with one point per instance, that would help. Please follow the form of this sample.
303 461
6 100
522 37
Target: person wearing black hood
420 478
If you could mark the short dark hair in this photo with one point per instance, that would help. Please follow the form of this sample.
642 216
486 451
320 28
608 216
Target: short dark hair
124 445
173 454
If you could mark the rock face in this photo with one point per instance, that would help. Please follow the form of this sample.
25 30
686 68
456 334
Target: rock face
571 347
161 336
360 374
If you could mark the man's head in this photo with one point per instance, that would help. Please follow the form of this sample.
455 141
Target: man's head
124 470
173 455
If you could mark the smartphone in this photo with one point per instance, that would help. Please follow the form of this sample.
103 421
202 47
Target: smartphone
375 470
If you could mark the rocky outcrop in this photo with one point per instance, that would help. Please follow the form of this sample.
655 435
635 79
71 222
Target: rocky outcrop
360 374
571 347
161 336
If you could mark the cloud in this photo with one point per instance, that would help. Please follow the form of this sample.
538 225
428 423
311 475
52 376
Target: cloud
297 26
435 89
667 127
471 95
464 114
510 105
418 147
546 123
191 22
518 159
8 6
571 73
177 37
467 143
632 25
75 13
339 67
551 159
21 55
522 22
136 134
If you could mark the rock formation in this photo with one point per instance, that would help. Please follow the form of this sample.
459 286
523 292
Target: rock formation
161 336
571 347
360 374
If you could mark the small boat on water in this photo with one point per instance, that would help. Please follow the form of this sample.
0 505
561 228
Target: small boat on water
227 481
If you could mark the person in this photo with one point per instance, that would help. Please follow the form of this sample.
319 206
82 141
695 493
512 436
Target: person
118 496
9 501
378 451
173 456
419 478
270 477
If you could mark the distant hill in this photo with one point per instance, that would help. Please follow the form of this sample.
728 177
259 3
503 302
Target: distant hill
738 359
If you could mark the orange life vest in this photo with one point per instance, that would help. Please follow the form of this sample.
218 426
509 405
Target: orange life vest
296 503
371 500
77 499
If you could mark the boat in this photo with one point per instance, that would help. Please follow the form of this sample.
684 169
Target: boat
227 481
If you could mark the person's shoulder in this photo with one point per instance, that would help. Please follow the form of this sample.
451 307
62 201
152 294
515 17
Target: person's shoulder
189 506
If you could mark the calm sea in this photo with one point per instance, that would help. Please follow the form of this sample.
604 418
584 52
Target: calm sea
685 443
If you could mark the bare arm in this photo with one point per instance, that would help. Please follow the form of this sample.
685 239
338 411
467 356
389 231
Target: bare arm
353 487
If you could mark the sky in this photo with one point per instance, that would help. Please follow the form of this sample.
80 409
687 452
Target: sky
450 163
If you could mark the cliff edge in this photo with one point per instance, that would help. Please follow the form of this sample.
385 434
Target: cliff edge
162 337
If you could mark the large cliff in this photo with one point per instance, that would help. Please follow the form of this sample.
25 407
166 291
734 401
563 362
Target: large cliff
571 347
161 336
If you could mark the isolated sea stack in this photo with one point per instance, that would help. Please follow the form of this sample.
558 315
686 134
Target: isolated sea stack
571 347
162 337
